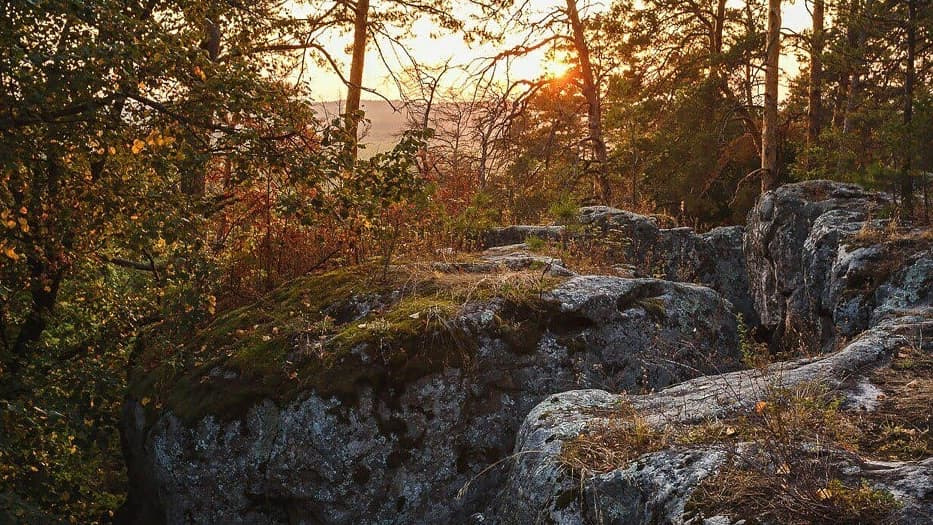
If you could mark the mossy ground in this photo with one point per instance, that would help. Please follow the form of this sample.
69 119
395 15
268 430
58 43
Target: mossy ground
309 335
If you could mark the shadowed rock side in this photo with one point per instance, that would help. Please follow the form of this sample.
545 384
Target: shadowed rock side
655 487
399 452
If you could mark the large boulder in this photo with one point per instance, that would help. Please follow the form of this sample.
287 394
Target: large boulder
656 486
831 276
824 266
402 402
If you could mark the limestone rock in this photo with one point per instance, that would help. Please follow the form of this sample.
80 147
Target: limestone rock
401 451
824 269
655 487
517 234
714 259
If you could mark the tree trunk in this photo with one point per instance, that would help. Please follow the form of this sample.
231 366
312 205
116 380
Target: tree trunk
194 182
355 89
815 89
907 183
593 105
44 291
855 39
769 172
716 41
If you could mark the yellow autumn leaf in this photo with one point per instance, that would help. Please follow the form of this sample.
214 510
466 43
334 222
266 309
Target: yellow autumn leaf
138 146
23 210
11 253
112 150
144 401
760 406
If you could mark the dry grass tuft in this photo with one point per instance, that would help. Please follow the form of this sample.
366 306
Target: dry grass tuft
612 442
807 492
900 427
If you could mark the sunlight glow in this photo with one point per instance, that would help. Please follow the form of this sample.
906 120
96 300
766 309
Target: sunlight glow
433 49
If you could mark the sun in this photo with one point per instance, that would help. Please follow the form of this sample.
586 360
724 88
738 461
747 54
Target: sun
555 67
536 66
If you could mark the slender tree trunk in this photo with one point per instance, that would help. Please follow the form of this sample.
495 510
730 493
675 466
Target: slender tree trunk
44 292
355 89
907 183
716 41
815 89
45 275
593 104
855 39
194 182
769 124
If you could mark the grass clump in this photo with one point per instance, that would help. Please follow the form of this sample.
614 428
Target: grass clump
900 426
788 454
807 493
535 244
616 439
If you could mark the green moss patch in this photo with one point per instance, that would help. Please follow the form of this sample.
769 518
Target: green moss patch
309 335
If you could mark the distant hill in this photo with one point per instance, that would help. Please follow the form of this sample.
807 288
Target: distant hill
386 125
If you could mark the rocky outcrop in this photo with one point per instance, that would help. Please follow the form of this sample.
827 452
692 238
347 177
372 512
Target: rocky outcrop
327 403
400 452
826 267
714 259
518 233
655 487
826 273
509 257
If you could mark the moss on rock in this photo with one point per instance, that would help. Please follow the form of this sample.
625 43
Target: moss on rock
331 333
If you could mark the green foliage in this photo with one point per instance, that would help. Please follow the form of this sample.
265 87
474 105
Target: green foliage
60 456
480 215
564 210
535 243
754 354
143 167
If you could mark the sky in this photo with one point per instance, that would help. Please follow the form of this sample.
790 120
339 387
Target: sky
326 86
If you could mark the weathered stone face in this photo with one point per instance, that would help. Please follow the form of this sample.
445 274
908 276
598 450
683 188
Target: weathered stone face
818 277
714 259
403 454
655 487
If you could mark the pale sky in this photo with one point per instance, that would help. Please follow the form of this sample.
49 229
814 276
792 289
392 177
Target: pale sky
326 86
